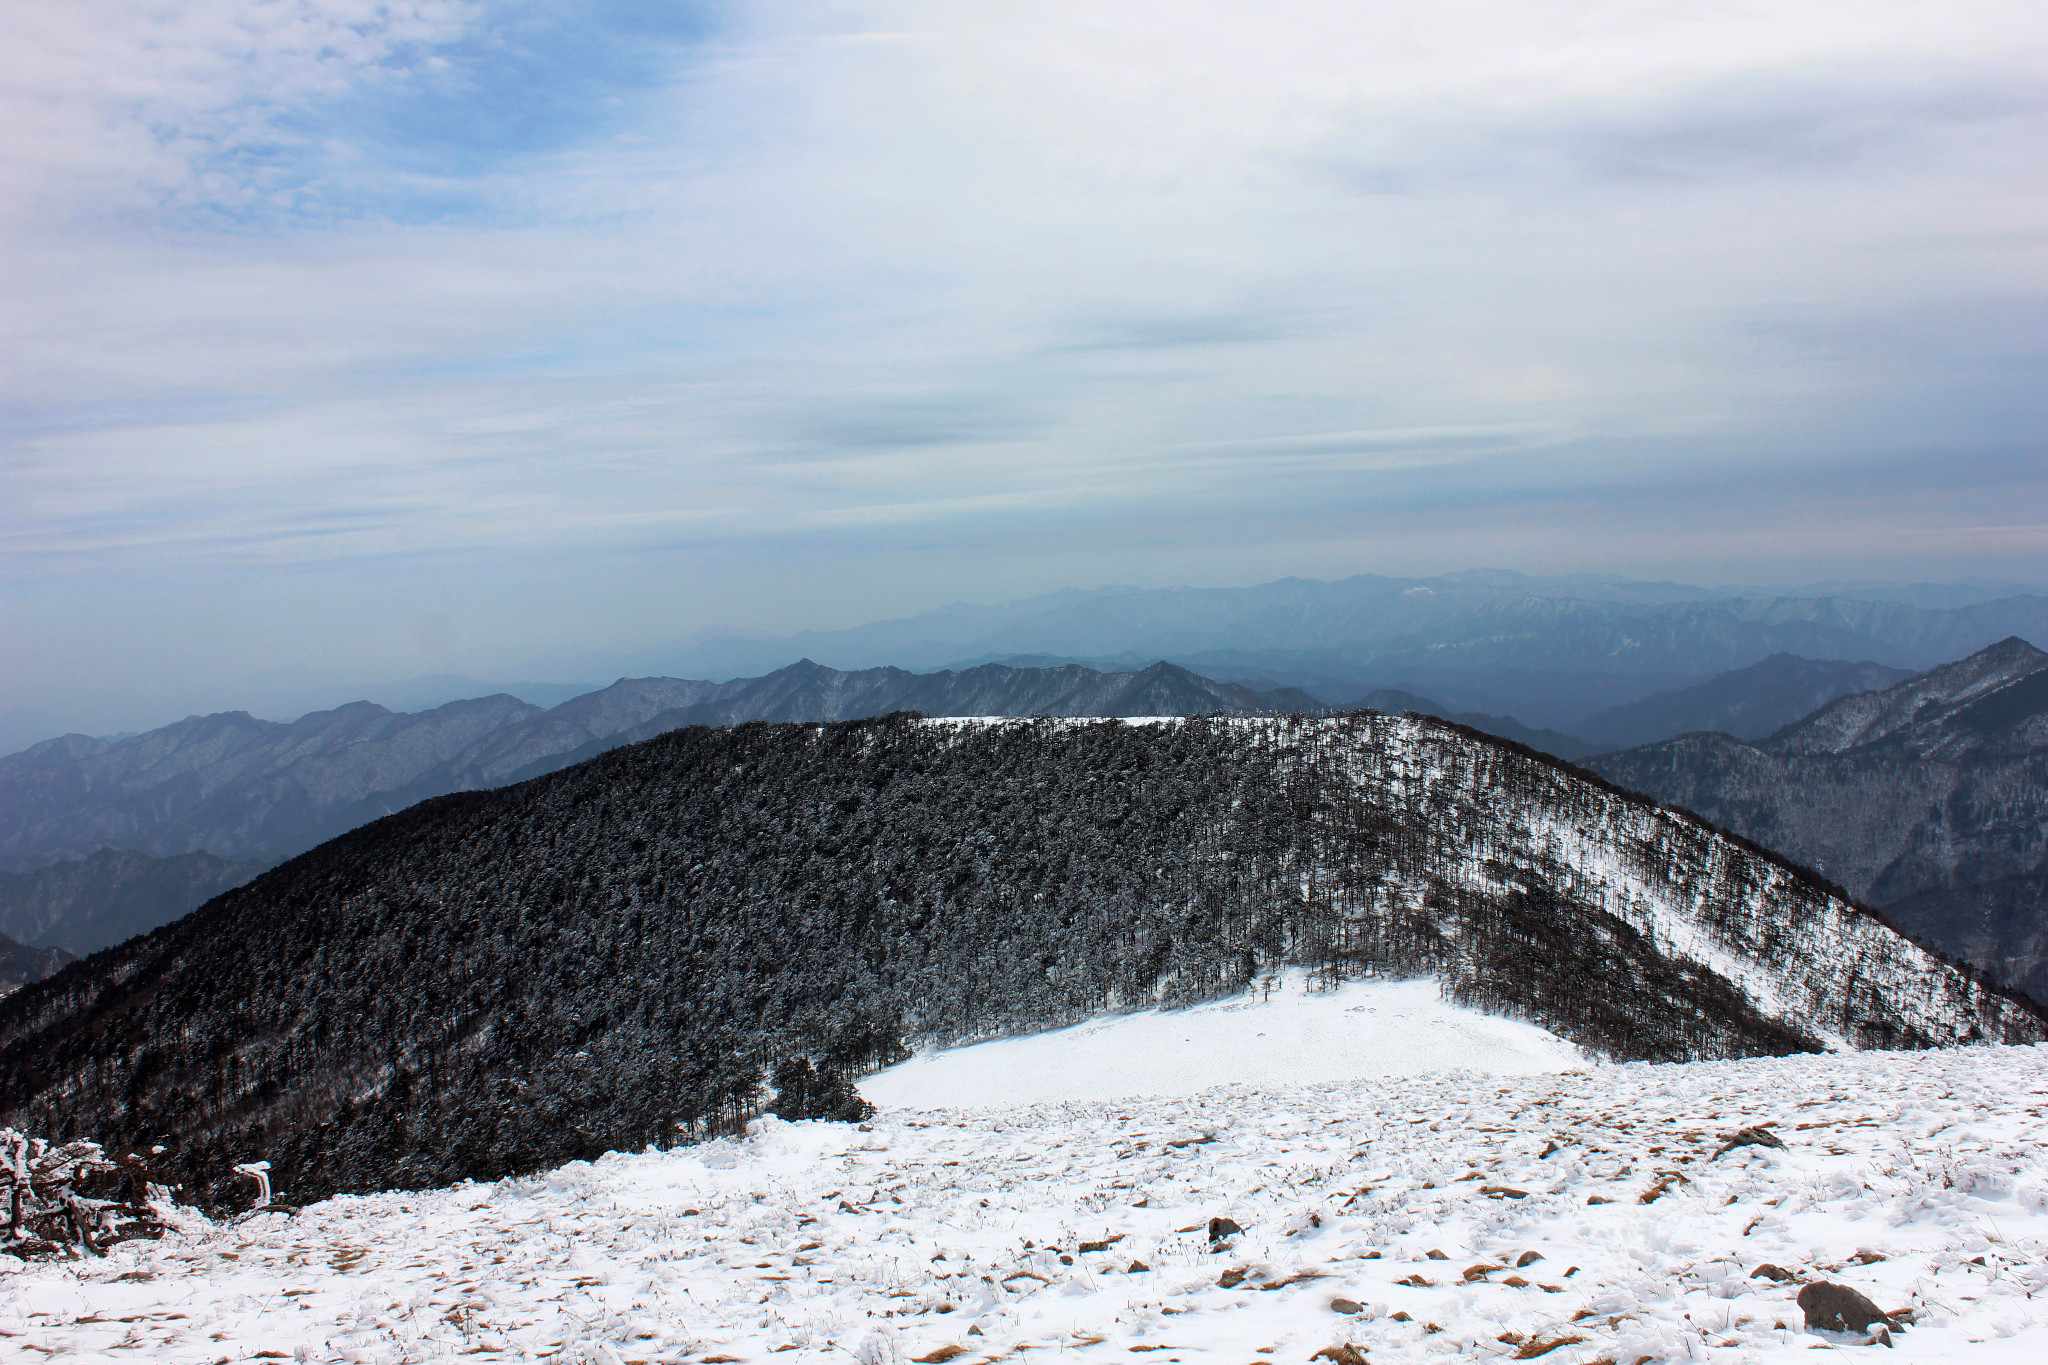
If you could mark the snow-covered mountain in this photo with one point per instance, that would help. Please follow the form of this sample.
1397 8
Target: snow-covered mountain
1938 784
621 952
1556 743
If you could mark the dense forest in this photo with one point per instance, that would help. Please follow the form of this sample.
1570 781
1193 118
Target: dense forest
656 943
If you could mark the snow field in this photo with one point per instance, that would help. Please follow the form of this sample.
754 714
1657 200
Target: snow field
1285 1036
1077 1232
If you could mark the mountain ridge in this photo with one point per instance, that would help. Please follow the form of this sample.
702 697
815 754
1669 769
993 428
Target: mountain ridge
248 789
626 951
1748 703
1547 650
1934 785
22 964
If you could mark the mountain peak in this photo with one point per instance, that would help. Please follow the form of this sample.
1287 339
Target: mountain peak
1912 712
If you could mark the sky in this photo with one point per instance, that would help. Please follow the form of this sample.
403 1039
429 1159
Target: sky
354 339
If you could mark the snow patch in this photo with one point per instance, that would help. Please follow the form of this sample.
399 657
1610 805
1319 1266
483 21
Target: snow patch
1287 1035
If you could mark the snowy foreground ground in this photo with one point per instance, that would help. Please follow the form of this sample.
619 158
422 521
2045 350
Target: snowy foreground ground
1078 1232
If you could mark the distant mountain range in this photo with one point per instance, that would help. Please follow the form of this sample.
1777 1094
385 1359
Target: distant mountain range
251 790
1929 797
201 806
85 904
1748 703
1548 651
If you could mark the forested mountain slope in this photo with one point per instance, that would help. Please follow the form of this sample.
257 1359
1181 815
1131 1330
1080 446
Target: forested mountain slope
2000 925
242 788
1937 784
620 952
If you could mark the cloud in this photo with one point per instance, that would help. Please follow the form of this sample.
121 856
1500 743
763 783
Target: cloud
749 315
1883 117
241 116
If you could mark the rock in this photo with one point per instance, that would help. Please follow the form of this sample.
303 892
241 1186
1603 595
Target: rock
1479 1272
1757 1136
1103 1245
1767 1271
1527 1259
1400 1317
1231 1279
1435 1255
1660 1185
1838 1308
1223 1228
1137 1268
1346 1306
1296 1278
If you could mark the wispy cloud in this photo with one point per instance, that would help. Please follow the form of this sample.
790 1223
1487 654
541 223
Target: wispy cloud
746 314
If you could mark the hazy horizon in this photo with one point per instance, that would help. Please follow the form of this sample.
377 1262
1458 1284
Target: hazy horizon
348 343
285 695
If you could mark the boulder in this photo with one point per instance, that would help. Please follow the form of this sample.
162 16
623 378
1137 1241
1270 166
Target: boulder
1838 1308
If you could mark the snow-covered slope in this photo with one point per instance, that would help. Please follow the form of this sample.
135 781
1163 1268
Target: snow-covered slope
1936 785
1286 1033
1594 1215
496 982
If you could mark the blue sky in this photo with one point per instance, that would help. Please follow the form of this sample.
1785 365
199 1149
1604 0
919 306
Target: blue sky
587 327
